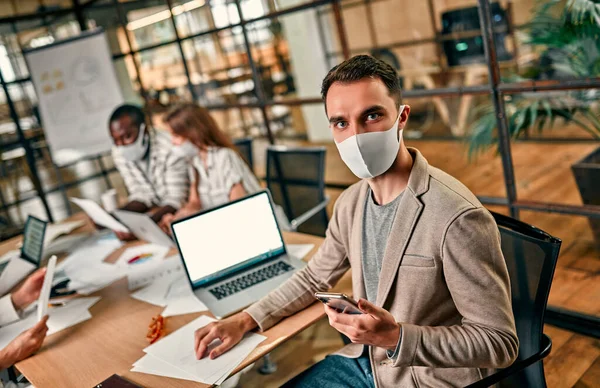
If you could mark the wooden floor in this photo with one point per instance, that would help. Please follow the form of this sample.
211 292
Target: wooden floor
542 172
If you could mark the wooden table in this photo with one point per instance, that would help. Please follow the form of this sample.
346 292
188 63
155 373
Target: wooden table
113 339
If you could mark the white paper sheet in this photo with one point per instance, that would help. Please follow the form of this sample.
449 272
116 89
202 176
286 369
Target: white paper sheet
299 251
155 293
45 291
155 366
177 349
99 215
91 251
86 280
181 300
145 274
55 230
85 267
74 318
65 244
75 311
158 252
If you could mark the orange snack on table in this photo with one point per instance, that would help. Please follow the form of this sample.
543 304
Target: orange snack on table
156 329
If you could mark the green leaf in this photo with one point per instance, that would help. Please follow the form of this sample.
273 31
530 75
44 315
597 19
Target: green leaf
534 113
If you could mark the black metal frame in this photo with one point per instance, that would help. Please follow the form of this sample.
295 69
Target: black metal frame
496 88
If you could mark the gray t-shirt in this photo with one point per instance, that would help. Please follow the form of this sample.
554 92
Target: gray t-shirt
377 223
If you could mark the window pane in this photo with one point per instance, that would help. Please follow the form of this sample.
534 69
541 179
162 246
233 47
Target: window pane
127 78
252 9
106 16
289 55
224 13
24 99
239 122
162 71
192 17
219 68
149 24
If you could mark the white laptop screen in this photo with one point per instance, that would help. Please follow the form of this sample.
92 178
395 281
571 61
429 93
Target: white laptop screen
226 239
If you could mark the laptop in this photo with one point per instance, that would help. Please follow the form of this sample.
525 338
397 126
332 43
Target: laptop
234 254
18 267
143 227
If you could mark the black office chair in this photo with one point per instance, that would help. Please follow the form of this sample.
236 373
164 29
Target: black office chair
296 179
244 147
531 256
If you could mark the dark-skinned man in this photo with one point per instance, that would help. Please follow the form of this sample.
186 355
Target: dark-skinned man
155 176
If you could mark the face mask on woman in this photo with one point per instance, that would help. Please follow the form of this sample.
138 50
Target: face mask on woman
185 149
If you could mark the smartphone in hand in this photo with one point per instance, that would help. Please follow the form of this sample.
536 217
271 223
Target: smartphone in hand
340 302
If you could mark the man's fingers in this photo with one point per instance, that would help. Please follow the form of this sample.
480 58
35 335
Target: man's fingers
346 319
225 346
39 275
200 333
204 342
369 308
348 331
41 325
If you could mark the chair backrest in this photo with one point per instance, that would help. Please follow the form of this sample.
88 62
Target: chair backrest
296 179
244 147
531 255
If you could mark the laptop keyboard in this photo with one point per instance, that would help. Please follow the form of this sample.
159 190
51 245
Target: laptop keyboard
250 279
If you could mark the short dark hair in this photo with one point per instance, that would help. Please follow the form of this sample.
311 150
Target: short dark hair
360 67
135 112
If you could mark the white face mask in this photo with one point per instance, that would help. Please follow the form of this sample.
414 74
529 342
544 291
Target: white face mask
185 149
135 151
371 154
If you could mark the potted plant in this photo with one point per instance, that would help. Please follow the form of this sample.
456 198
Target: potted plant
566 33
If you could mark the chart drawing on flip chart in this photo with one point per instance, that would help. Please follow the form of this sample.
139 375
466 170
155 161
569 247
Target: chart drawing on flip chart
77 90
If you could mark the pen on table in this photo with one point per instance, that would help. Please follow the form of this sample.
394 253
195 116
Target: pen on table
139 257
57 304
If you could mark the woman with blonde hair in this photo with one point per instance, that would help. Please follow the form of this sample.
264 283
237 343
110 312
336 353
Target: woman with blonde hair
220 173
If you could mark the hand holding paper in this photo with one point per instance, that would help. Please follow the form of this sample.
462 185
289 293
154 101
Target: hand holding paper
30 290
24 345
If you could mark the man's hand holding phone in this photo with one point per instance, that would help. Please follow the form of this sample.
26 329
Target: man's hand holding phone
374 325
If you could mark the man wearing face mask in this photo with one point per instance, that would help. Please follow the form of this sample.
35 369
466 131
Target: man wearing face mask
427 266
155 176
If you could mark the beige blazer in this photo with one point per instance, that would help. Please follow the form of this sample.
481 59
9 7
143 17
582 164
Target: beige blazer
443 277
